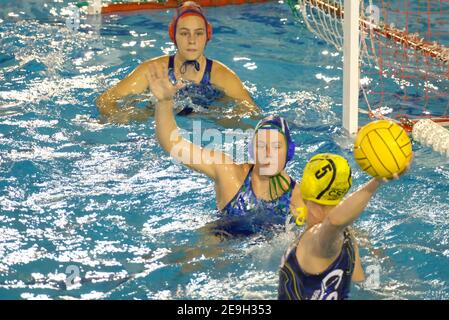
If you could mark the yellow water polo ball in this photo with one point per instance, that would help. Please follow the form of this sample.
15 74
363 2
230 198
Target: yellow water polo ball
382 148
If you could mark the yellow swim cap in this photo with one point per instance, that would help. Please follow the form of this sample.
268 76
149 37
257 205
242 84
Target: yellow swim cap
326 179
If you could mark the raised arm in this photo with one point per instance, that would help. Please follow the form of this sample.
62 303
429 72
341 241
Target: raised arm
203 160
327 236
350 209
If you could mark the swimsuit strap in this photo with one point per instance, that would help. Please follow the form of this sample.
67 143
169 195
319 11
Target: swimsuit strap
247 182
291 187
206 75
207 72
171 62
286 198
171 69
286 193
292 184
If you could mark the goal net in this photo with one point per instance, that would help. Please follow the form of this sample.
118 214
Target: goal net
402 58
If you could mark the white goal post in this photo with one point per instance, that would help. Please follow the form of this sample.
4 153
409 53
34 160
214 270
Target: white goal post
351 72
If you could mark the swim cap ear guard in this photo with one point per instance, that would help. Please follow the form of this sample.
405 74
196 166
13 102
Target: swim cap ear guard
279 124
188 8
301 216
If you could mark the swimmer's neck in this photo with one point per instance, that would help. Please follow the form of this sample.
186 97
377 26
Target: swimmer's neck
259 179
256 169
179 60
262 180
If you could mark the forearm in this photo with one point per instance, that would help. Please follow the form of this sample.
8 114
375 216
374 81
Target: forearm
245 108
167 131
110 109
133 113
351 208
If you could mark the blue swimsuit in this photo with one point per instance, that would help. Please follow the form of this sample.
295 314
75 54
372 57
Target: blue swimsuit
201 94
245 214
332 284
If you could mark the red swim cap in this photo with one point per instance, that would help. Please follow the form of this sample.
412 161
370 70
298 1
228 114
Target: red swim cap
188 8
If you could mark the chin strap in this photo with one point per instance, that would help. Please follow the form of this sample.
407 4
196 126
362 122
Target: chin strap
186 63
276 181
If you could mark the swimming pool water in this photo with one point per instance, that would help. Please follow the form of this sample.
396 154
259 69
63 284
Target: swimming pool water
103 201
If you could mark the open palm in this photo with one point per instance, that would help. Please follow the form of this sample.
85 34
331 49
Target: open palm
160 85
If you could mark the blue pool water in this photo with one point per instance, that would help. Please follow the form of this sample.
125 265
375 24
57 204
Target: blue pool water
102 201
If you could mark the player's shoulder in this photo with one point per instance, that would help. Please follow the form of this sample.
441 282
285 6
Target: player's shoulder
236 169
220 69
156 60
230 174
142 68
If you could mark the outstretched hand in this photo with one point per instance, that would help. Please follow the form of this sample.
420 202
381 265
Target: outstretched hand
160 85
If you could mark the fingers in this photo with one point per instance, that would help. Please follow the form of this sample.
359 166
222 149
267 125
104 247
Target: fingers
396 176
155 71
385 180
148 77
180 85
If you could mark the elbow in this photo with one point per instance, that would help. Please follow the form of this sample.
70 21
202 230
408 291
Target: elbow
166 146
164 141
100 103
104 104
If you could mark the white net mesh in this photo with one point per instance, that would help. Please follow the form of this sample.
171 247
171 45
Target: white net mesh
324 18
404 57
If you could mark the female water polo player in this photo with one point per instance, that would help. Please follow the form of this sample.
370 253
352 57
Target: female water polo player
252 197
207 80
325 258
